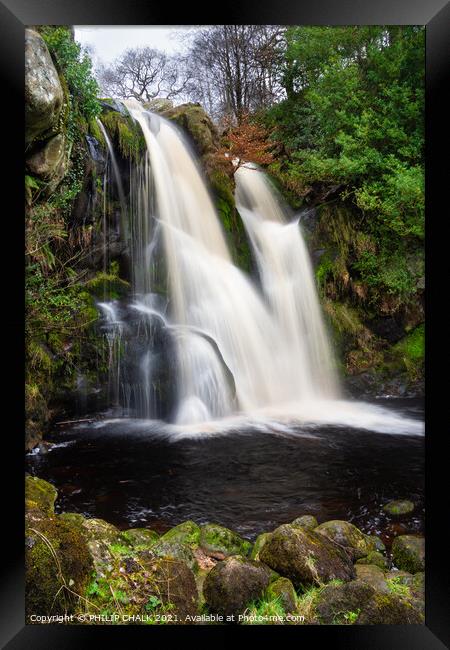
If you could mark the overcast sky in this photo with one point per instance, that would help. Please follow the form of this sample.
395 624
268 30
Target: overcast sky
110 41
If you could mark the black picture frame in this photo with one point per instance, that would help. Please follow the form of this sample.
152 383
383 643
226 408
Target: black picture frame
14 16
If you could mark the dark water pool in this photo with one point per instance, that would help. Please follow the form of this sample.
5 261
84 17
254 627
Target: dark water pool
250 481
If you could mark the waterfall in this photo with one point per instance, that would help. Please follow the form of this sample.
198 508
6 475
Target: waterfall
303 350
238 346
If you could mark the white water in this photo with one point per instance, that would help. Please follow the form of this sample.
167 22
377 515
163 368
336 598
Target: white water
271 337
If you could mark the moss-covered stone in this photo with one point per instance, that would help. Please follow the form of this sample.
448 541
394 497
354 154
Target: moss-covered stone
306 557
199 126
140 537
306 521
345 534
342 604
257 546
186 533
125 133
397 508
282 590
375 558
72 517
389 609
408 553
233 583
375 543
58 565
372 575
40 494
175 550
217 539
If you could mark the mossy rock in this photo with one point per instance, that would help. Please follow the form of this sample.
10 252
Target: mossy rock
398 508
125 132
199 126
40 494
102 530
257 546
375 543
342 604
186 533
58 565
408 553
389 609
109 285
233 583
105 542
372 575
140 537
375 558
146 586
283 590
345 534
306 557
175 585
308 522
72 517
175 550
218 539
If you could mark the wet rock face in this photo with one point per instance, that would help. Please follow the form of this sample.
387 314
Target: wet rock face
345 534
306 557
233 583
43 91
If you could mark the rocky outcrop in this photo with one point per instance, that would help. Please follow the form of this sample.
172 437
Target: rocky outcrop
43 91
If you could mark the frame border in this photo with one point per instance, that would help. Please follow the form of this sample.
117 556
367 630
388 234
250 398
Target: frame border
435 14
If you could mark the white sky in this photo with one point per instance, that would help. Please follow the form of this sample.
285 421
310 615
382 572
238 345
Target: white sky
109 42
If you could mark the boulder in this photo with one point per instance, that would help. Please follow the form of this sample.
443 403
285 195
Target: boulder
389 609
374 558
305 556
233 583
58 564
341 604
408 553
186 533
49 162
347 535
40 494
397 508
284 591
140 537
43 92
175 550
306 521
372 575
217 539
257 546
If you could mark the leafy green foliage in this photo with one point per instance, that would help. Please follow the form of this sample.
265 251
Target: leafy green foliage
354 117
76 66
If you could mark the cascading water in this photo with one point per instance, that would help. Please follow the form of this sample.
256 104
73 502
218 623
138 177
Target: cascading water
202 340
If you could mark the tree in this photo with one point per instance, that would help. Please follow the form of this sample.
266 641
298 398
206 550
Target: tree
235 68
247 141
144 73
